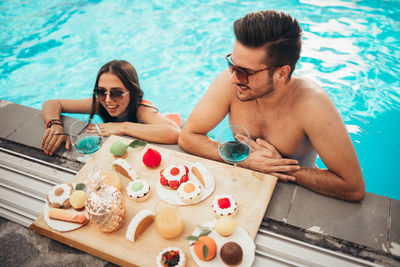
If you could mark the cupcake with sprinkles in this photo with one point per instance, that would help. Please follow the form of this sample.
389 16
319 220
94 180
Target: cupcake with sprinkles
138 190
189 192
59 195
224 205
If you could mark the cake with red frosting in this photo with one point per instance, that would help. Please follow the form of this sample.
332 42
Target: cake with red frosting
173 176
152 158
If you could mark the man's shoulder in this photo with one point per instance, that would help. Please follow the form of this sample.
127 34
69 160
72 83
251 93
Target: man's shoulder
308 91
310 97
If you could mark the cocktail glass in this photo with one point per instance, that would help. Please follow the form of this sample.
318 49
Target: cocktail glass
234 146
85 142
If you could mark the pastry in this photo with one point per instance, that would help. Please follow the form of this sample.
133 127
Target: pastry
123 167
152 158
231 253
171 257
226 225
189 192
119 149
224 205
78 199
138 190
200 172
67 215
202 253
58 197
173 176
139 224
111 178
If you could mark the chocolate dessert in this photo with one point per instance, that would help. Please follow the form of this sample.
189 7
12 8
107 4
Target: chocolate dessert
231 253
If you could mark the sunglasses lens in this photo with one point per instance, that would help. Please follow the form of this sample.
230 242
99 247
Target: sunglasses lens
241 75
116 95
101 94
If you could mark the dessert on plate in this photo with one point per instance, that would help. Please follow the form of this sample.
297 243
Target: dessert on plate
201 173
170 257
173 176
123 167
58 197
226 225
152 158
67 215
189 192
231 253
78 199
224 205
139 224
205 248
139 190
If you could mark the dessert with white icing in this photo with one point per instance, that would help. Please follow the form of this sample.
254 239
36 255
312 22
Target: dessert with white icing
189 192
171 256
139 224
224 205
173 176
123 167
138 190
59 195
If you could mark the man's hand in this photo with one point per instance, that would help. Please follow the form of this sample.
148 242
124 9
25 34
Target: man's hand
265 158
53 137
106 129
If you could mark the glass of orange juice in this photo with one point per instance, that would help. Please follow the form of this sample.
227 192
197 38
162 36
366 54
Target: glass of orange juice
169 222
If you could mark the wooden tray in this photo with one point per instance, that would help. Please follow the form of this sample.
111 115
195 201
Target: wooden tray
114 247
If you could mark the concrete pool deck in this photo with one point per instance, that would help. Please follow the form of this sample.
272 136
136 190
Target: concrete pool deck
368 231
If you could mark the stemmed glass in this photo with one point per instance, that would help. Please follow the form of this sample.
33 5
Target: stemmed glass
85 142
234 146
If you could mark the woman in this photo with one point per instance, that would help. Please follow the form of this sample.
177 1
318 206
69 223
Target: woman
117 99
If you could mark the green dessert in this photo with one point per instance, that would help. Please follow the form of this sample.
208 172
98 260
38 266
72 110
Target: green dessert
118 148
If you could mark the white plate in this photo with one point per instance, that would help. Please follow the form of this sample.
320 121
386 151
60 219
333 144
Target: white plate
58 225
172 197
240 236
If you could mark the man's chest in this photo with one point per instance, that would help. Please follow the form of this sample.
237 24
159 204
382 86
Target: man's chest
283 132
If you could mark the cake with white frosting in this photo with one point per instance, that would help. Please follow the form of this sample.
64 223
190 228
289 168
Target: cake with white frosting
139 224
171 256
224 205
138 190
190 192
59 195
123 167
173 176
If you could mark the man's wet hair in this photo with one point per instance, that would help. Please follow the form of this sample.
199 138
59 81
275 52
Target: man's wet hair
277 32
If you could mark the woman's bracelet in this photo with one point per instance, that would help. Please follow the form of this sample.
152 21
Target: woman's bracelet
50 123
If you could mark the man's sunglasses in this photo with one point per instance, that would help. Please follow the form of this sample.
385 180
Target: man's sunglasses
241 74
115 95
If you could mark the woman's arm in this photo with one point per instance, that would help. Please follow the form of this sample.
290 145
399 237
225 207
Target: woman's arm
152 127
51 110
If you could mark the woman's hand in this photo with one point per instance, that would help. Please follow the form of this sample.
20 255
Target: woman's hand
107 129
53 137
264 157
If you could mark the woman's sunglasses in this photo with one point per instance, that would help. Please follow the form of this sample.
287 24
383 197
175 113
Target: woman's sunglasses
241 74
115 95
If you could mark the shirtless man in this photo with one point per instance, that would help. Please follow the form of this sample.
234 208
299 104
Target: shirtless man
290 119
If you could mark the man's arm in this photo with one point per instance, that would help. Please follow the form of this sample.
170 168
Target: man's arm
211 109
328 134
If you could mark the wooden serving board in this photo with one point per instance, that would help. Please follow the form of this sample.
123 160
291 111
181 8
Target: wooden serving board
114 247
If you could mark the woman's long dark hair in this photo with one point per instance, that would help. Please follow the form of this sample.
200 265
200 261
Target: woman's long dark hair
128 76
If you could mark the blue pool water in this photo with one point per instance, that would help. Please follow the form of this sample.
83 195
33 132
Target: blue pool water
53 49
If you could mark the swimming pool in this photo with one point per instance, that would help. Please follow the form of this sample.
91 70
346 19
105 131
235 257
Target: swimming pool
53 49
